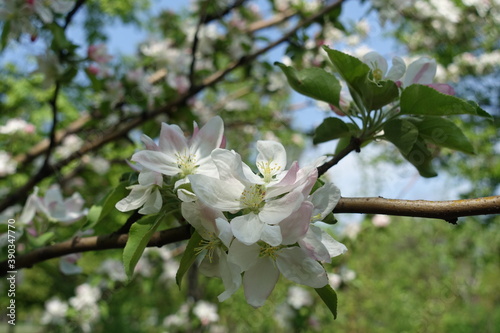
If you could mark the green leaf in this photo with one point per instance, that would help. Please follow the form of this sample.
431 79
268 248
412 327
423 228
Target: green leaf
352 70
418 99
313 82
138 238
42 240
443 132
4 39
373 95
420 156
188 257
402 133
342 144
329 297
330 129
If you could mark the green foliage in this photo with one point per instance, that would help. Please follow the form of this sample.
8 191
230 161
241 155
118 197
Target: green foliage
189 257
331 129
313 82
329 297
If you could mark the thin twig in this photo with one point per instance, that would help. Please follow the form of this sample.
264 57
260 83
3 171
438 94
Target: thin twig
449 211
194 47
20 194
72 13
224 12
354 145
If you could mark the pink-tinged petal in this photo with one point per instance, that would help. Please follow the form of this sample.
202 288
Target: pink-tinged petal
208 138
245 256
53 194
157 161
324 200
222 195
259 281
230 274
231 167
271 158
153 203
296 266
397 70
247 228
223 142
286 184
443 88
172 140
271 234
137 197
420 71
295 226
312 246
277 210
149 143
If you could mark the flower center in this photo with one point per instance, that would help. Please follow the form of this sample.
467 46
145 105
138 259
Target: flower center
377 74
268 170
187 163
253 197
267 250
209 246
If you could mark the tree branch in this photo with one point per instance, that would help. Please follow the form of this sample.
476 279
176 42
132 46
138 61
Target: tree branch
447 210
354 145
21 193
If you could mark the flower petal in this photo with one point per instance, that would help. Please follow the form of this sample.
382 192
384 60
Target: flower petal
209 137
153 203
259 281
275 211
157 161
247 228
230 274
420 71
375 61
271 159
245 256
271 234
296 266
324 200
172 140
222 195
295 226
397 70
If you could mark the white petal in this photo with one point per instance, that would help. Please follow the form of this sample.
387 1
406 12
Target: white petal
334 247
222 195
147 178
200 216
397 70
259 281
230 274
186 196
157 161
137 197
149 143
172 140
271 158
271 234
324 200
247 228
245 256
296 266
153 203
375 61
312 245
208 138
225 233
30 207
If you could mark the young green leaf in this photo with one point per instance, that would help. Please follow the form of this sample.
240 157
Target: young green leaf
188 257
330 129
313 82
443 132
329 297
402 133
418 99
139 235
352 70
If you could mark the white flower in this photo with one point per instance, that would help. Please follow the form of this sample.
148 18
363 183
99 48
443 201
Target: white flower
299 297
16 125
178 156
378 65
53 206
86 296
146 194
55 311
206 312
114 269
260 198
423 71
262 266
381 221
7 164
50 67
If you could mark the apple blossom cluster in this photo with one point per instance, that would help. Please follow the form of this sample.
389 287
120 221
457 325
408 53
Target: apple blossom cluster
254 226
